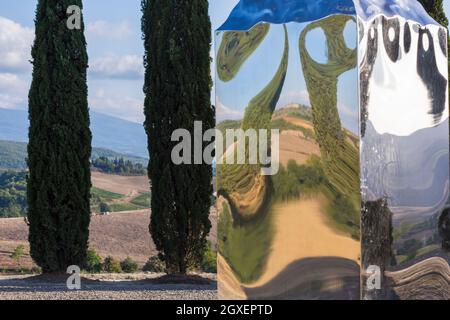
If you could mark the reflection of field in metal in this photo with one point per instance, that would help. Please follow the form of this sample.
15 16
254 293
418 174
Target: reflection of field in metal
301 231
325 278
426 280
293 146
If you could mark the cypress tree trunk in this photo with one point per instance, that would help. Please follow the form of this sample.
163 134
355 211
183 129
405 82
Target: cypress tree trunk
177 37
59 141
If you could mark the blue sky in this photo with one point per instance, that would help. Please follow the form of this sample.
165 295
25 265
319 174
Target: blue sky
115 52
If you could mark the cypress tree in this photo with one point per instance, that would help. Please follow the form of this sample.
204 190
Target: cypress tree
177 37
59 141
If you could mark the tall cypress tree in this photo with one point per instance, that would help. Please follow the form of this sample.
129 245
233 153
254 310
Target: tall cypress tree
59 141
177 37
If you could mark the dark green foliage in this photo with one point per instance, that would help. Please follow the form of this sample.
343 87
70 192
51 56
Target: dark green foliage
142 200
59 141
13 197
18 253
111 265
297 181
209 262
444 229
13 155
93 262
154 264
177 37
119 166
435 9
129 265
104 207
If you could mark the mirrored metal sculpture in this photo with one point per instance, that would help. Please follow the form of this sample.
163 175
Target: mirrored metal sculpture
358 93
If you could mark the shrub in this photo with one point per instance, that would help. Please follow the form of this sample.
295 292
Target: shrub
93 262
209 261
18 253
111 265
154 264
129 265
104 207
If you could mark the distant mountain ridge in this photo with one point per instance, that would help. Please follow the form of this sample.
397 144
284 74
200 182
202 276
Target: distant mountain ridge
13 155
122 136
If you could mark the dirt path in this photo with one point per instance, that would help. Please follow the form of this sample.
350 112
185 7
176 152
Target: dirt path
107 287
299 122
294 146
301 231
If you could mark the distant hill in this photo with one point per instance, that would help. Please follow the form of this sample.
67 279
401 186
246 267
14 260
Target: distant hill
13 155
108 132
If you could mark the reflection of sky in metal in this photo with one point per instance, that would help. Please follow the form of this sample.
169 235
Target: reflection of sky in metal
261 66
408 9
247 13
250 12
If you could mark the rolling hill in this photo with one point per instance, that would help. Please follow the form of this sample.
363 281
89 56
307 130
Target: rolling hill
108 132
13 155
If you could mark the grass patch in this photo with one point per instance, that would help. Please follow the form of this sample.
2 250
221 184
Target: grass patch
245 247
143 200
296 181
124 206
104 195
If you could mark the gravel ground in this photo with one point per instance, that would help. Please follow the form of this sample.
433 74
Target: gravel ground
108 287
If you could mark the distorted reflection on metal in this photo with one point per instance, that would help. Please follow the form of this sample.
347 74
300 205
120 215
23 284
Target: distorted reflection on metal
364 150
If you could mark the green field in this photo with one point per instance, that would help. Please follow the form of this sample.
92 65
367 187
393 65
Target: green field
104 195
143 200
124 206
114 203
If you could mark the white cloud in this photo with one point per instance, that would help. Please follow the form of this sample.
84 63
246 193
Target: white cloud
15 46
105 29
124 107
121 67
301 97
13 91
225 113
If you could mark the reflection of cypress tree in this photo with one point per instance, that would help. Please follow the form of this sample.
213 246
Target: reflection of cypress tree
435 9
59 141
241 182
341 162
177 36
444 229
